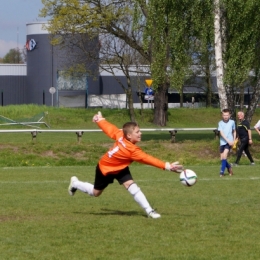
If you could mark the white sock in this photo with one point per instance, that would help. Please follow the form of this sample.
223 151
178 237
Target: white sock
84 187
139 197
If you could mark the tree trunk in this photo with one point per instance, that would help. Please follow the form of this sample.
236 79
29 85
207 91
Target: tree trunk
218 56
231 101
181 96
132 112
241 96
130 101
253 102
141 101
209 87
161 105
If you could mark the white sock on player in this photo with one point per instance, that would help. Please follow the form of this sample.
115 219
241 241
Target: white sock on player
84 187
139 197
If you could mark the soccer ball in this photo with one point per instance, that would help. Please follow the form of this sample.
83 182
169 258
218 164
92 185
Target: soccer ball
188 177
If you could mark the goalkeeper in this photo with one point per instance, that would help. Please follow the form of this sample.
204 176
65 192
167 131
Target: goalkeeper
114 164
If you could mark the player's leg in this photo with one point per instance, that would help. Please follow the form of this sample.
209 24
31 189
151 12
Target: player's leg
249 156
224 150
76 184
101 182
140 198
229 168
223 159
125 178
240 151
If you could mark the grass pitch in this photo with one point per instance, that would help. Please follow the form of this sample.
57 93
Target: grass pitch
218 218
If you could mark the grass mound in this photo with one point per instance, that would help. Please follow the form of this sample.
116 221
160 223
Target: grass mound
56 149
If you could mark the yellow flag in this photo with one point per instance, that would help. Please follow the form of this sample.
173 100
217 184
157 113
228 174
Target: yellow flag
234 147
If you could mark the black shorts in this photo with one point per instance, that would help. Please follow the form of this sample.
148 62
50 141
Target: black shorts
102 181
224 147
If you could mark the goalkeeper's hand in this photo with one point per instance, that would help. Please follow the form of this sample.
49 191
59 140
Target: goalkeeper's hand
98 117
174 167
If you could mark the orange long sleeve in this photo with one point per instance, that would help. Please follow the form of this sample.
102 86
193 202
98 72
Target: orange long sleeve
123 152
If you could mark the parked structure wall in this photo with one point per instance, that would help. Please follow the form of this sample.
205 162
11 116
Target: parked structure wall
13 87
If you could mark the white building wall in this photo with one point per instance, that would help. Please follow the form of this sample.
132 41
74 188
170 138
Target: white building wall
119 101
107 101
13 70
36 28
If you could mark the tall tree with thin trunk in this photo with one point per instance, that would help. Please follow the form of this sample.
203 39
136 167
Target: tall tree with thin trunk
241 54
167 36
218 55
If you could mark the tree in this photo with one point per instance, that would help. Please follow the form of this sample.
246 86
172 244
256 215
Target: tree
218 54
169 30
115 54
111 22
164 25
167 36
202 47
240 49
13 56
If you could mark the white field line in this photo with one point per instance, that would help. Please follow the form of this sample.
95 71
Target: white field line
31 182
42 167
152 180
206 179
99 130
131 166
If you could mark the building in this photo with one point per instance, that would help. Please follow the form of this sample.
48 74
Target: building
43 79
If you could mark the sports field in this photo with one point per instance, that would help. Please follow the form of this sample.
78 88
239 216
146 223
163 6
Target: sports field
218 218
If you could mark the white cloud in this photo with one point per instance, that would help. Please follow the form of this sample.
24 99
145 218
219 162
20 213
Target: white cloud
5 46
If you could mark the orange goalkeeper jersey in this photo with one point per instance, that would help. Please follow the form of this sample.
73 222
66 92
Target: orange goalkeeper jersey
123 152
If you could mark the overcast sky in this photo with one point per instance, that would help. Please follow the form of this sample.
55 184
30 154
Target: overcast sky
14 15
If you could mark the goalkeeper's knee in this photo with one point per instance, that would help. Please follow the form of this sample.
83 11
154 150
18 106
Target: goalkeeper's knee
133 189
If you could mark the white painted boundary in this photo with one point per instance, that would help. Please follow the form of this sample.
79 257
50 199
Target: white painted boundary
99 130
79 132
137 180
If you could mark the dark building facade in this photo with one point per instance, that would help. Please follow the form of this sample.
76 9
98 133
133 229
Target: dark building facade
13 87
46 66
43 79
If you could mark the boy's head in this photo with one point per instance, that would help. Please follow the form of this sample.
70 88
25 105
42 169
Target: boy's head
225 114
132 132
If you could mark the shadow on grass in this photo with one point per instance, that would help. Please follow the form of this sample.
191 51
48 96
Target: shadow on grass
118 213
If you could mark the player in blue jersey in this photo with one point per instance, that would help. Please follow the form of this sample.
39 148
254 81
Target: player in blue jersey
227 131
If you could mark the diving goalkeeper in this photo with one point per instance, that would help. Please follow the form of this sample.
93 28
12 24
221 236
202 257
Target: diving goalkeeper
114 164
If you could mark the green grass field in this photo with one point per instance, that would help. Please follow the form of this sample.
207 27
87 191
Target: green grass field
218 218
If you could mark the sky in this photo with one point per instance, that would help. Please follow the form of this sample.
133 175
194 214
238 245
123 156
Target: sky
14 15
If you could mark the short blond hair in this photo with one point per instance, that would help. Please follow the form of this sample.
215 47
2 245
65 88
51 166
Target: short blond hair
129 127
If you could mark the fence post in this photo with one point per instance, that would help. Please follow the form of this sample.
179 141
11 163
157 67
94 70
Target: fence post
34 135
173 135
79 135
